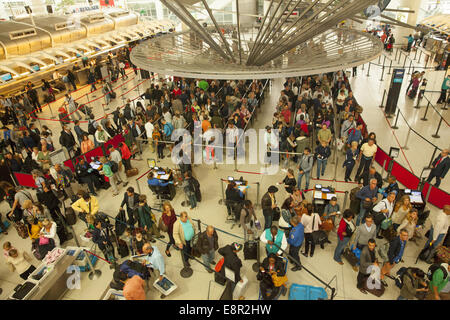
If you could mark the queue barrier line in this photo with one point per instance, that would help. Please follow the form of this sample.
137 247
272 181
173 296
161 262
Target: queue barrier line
83 87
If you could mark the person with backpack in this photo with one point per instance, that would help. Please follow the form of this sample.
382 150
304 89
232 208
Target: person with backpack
116 157
189 189
439 276
207 245
410 281
394 254
107 171
305 166
101 237
247 220
92 127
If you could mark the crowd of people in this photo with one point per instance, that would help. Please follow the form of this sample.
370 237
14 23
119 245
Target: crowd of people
312 115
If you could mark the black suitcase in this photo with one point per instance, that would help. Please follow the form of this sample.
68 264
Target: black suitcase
123 248
113 95
276 214
350 257
250 250
219 278
120 223
71 217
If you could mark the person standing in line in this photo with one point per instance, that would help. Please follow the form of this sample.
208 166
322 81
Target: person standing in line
444 88
439 280
368 197
305 166
72 107
295 241
440 167
311 222
275 240
208 243
168 218
248 220
365 232
183 232
154 258
439 227
367 259
268 204
394 254
344 233
131 200
411 279
20 262
232 262
367 154
107 172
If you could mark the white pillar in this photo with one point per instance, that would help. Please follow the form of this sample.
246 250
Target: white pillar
411 18
39 7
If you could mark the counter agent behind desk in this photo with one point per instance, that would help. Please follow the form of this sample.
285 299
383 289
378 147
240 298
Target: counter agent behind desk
321 197
167 192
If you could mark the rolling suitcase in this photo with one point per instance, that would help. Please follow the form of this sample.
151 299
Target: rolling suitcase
240 288
219 278
71 217
350 257
132 172
250 250
123 248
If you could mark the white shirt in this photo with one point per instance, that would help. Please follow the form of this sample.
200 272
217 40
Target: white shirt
34 156
149 129
384 204
116 157
283 241
271 138
440 225
232 134
307 222
51 234
121 65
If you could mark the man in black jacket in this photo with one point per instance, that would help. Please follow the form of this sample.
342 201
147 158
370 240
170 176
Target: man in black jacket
268 204
395 254
131 200
67 139
234 199
439 167
85 175
101 237
208 243
371 174
232 262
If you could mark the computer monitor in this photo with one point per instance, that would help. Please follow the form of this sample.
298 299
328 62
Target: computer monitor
238 183
161 172
318 186
325 190
6 77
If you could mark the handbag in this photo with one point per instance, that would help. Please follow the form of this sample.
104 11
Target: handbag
43 241
367 205
327 224
278 281
318 236
386 224
219 265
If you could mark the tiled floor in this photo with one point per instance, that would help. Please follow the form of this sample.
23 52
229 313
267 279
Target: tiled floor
201 286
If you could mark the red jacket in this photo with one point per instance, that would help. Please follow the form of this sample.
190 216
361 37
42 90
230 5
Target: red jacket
126 154
341 229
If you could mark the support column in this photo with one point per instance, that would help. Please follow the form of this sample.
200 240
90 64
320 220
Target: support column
400 32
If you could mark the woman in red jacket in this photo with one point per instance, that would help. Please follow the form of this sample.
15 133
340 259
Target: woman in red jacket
345 232
126 155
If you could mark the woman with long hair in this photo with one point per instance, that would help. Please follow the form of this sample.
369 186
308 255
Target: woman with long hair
168 218
401 209
409 223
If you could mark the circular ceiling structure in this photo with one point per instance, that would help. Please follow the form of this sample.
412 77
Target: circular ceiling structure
185 54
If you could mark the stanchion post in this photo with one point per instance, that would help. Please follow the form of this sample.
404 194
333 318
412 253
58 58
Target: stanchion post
432 157
186 272
404 62
418 102
396 120
368 70
222 201
382 73
50 108
436 135
425 115
407 138
379 59
138 186
382 100
396 53
415 55
93 274
383 168
409 68
345 200
428 193
420 55
257 205
390 66
362 68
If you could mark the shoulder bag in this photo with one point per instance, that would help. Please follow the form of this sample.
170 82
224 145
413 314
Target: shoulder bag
318 236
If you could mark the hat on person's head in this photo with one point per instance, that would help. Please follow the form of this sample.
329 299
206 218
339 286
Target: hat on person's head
268 127
236 246
273 189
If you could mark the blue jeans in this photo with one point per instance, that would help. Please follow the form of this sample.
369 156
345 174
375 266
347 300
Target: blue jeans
362 213
299 179
321 163
268 221
439 239
339 248
208 258
193 201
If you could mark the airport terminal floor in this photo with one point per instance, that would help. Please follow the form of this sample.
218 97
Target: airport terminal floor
368 90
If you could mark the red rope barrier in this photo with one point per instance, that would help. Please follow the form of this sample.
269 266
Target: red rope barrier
96 256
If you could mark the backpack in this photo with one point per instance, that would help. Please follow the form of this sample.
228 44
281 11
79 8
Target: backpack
91 128
114 166
353 193
401 273
433 268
